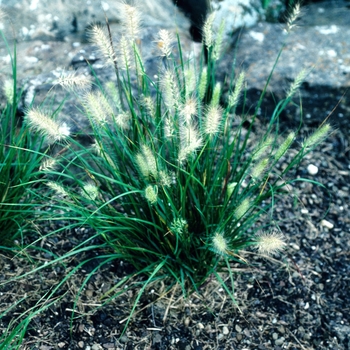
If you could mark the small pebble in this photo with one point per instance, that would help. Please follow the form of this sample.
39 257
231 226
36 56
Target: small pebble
124 339
96 347
246 332
187 321
81 344
281 329
238 328
225 330
327 224
312 169
200 325
280 341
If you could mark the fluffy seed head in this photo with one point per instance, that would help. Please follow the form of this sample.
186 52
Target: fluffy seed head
291 19
297 83
8 90
234 97
151 194
59 189
242 208
203 82
113 94
283 148
73 82
259 168
123 120
100 38
218 41
270 243
164 42
190 78
89 191
124 56
48 127
165 178
149 104
131 20
230 188
190 141
48 164
263 148
188 109
208 38
215 99
318 136
95 105
146 163
169 130
212 121
179 226
170 90
219 243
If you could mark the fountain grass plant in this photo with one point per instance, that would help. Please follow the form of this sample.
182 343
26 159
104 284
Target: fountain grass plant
172 181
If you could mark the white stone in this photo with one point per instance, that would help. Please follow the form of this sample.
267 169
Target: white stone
235 14
312 169
257 36
327 224
333 29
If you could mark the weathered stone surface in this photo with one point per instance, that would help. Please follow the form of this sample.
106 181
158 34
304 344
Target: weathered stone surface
317 45
55 20
242 13
41 58
236 13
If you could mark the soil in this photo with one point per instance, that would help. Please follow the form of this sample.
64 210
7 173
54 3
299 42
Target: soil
299 300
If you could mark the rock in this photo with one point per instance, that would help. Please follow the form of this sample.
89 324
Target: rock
225 330
322 48
236 13
40 62
327 224
280 341
342 331
312 169
241 13
48 20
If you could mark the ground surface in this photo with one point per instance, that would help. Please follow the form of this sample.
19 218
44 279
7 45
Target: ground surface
299 301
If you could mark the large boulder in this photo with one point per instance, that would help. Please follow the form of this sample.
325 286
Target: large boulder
52 37
55 20
319 43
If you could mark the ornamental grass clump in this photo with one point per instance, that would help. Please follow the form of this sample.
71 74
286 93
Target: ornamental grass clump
20 159
173 182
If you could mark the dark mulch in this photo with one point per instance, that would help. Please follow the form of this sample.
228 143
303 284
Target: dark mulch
298 301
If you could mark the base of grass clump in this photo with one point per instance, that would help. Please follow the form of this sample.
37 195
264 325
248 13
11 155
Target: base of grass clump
172 183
